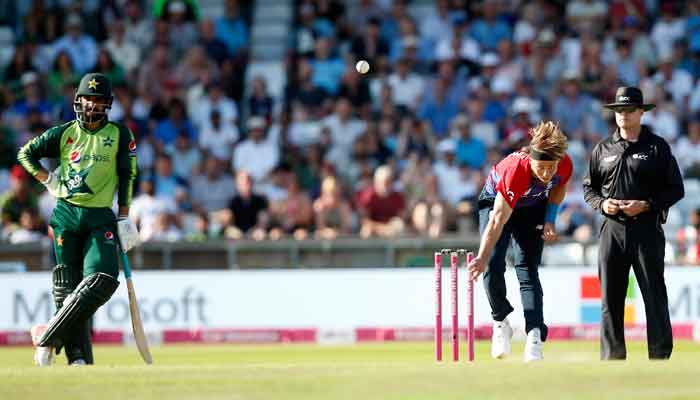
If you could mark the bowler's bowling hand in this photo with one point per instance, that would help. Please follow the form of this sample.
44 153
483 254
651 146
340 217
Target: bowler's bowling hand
632 208
611 206
476 267
549 234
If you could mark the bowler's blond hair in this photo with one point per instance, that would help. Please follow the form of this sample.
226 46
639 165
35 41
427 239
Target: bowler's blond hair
548 138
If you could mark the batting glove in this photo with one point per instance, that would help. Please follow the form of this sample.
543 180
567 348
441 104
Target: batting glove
128 233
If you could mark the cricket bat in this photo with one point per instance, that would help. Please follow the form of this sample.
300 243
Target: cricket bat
136 325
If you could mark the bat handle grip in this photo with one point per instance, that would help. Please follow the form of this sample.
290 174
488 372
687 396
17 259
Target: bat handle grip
125 264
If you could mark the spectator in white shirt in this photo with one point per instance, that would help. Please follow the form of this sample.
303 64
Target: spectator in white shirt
218 138
344 129
215 99
676 81
139 30
81 48
147 207
687 150
406 86
124 53
667 30
452 185
212 190
255 154
459 45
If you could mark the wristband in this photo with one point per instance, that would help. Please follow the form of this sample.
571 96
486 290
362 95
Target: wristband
551 212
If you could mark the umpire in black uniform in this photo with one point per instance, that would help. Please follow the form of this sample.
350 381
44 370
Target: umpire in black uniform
633 179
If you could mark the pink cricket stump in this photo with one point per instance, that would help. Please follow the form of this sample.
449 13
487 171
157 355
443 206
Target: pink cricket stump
438 306
454 263
470 312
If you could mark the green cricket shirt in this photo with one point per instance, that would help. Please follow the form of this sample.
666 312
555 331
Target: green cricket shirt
93 165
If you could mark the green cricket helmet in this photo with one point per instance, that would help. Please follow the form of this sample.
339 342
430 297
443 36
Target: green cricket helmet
97 90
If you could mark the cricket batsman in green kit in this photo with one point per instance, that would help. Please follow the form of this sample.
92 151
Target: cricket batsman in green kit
97 159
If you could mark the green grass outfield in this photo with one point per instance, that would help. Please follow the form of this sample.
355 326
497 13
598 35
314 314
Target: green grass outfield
368 371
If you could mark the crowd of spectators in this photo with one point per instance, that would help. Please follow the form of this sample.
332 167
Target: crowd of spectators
400 151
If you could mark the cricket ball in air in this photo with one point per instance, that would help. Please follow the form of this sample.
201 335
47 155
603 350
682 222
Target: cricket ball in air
362 66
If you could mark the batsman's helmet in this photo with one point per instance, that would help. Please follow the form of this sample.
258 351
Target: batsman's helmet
97 88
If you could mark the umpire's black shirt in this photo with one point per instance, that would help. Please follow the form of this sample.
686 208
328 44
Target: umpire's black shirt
641 170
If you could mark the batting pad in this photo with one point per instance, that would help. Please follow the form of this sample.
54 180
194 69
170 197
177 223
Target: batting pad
79 306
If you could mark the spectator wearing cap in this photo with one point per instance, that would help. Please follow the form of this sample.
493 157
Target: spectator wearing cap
406 87
381 207
327 69
489 30
571 106
667 29
20 197
169 128
215 99
232 29
125 54
81 48
469 150
256 154
687 149
213 189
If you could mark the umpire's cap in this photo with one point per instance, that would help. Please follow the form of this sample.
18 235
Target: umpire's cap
627 96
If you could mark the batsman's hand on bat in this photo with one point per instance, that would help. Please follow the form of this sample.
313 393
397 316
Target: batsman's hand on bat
128 233
476 267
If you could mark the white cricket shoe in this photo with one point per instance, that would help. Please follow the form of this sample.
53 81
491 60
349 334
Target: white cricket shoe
79 362
500 339
43 355
533 346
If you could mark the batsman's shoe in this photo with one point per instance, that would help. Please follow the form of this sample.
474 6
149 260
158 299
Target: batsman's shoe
77 363
500 339
533 346
43 356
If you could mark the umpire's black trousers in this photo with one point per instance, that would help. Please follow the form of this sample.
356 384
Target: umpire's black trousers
638 243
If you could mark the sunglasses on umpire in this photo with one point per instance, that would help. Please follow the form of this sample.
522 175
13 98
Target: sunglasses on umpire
626 109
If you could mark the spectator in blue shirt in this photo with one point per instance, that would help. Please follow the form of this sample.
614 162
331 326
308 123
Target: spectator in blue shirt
81 48
488 30
168 129
232 29
438 109
571 107
470 150
327 70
